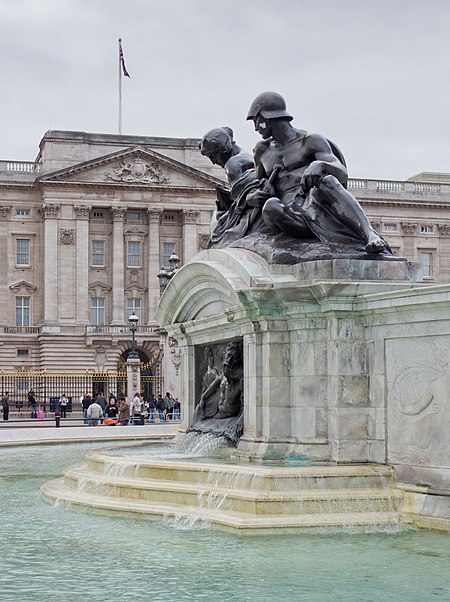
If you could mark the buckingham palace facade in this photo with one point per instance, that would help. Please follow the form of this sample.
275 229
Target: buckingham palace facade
86 228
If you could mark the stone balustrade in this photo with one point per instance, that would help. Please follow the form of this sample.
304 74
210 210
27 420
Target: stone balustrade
19 166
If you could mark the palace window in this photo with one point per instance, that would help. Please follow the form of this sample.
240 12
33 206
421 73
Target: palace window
23 212
97 311
22 251
426 229
390 227
134 215
427 264
22 353
134 254
98 253
167 250
22 311
134 305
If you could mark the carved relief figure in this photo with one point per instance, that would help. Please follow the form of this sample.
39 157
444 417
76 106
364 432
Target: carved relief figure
209 400
221 390
230 403
420 395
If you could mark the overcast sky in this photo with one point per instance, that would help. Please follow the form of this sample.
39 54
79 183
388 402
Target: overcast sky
372 75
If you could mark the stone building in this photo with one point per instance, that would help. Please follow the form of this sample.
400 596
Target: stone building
86 227
84 232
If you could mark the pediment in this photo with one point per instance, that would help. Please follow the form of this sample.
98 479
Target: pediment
23 286
99 289
135 166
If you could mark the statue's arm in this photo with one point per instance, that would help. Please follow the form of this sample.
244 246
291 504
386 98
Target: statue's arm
323 162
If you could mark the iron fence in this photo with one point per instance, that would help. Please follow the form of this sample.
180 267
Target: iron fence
50 384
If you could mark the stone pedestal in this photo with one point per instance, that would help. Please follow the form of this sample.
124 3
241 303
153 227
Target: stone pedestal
133 377
334 354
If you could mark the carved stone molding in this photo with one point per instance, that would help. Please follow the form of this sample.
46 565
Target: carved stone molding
66 236
49 211
175 354
82 211
376 226
100 357
154 215
190 216
444 229
137 170
203 240
409 228
135 231
118 213
5 210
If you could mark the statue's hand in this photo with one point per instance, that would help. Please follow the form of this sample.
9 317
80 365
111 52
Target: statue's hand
312 176
257 197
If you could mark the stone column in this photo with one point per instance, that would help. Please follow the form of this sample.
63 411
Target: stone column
51 268
154 217
189 234
82 264
118 276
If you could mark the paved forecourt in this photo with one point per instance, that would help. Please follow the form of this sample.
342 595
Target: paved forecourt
38 434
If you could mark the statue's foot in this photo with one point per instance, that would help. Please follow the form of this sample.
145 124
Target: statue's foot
375 245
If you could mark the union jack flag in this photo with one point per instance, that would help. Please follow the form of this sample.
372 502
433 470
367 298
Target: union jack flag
122 60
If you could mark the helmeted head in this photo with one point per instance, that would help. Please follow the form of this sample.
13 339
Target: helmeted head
269 105
217 145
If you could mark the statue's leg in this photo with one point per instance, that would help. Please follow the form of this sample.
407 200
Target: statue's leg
282 218
347 209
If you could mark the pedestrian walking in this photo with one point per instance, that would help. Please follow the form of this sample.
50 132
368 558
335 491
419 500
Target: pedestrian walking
5 405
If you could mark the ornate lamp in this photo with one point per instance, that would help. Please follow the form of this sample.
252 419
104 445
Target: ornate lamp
165 275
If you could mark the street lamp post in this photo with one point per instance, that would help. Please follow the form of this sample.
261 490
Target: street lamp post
133 320
133 361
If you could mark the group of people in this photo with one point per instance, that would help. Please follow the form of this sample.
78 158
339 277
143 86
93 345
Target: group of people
123 412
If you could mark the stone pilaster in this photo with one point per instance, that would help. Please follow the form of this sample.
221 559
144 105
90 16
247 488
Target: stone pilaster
81 300
49 214
409 231
118 276
189 234
154 219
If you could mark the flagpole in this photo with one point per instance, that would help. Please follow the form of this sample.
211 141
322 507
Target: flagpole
120 90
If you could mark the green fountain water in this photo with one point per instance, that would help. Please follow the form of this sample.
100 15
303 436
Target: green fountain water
51 553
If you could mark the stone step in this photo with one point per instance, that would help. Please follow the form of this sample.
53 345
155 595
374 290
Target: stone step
56 491
248 476
251 501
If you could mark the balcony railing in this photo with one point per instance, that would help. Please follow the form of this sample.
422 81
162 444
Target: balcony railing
20 329
118 330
